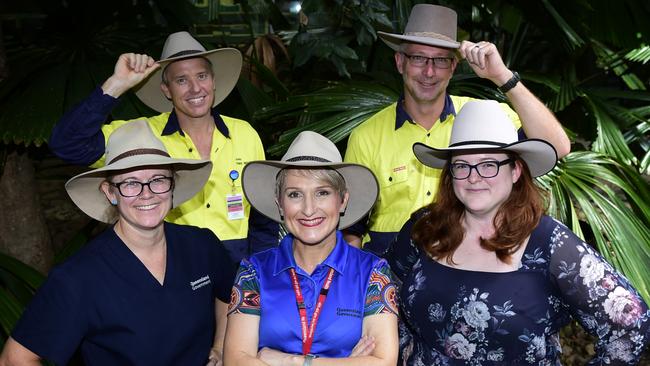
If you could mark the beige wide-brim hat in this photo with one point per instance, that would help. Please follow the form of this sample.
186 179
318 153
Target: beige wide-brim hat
482 125
226 67
310 150
431 25
130 147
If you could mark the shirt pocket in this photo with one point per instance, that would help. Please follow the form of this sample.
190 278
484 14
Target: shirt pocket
394 182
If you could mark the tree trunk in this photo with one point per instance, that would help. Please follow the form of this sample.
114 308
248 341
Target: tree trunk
23 231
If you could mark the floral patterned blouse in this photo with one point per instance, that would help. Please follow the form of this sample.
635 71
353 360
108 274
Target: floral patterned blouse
460 317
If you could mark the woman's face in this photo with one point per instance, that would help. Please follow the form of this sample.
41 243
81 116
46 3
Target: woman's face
483 196
147 209
311 208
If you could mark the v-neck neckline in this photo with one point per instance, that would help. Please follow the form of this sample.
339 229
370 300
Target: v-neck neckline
139 269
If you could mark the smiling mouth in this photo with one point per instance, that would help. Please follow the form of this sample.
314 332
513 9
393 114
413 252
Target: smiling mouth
146 207
196 101
311 222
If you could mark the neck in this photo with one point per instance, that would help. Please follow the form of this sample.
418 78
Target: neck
477 226
201 126
140 239
424 113
309 256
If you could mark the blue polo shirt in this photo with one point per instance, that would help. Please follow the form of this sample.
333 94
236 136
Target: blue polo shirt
362 286
104 300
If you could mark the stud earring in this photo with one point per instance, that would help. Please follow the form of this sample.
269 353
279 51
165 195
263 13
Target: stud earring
114 202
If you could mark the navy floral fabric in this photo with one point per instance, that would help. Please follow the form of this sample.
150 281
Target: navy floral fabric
458 317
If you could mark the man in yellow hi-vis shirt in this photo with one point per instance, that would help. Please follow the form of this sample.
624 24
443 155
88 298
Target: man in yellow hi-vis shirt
185 85
426 56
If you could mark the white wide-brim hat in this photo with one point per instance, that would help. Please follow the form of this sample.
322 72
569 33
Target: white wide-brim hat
226 67
483 125
310 150
129 147
431 25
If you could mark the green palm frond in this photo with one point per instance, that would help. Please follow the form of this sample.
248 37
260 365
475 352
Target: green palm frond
18 282
589 186
641 54
609 138
332 111
572 38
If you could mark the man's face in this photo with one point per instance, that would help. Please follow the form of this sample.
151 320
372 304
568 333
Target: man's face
427 83
190 86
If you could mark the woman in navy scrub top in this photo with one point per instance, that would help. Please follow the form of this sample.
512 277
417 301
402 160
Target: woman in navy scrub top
314 299
143 292
487 279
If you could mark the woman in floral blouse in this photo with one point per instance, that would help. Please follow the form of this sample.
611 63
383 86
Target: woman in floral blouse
487 278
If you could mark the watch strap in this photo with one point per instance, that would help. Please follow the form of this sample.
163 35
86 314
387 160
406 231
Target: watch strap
510 83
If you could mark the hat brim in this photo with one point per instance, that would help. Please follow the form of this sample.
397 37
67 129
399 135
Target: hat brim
258 183
226 68
539 155
84 189
394 40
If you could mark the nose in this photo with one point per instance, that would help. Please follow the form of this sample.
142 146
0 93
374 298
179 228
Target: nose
429 69
146 192
309 206
195 85
473 175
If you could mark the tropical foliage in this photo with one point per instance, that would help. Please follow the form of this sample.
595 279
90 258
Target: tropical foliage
326 71
590 76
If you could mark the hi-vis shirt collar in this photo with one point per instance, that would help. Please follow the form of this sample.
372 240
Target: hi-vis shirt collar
402 116
173 126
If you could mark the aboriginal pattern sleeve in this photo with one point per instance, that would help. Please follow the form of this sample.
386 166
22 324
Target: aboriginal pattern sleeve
381 295
245 297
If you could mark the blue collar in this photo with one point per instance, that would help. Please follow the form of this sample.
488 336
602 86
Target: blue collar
401 115
285 260
173 126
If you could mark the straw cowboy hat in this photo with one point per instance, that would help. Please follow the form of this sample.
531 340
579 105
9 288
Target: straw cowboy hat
310 150
483 125
432 25
133 146
226 67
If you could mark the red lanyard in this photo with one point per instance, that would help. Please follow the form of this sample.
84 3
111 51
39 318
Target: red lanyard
308 336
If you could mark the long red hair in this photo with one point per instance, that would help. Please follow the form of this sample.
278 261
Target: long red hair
439 231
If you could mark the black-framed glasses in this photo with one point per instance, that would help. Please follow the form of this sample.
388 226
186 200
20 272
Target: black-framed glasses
437 62
132 188
485 169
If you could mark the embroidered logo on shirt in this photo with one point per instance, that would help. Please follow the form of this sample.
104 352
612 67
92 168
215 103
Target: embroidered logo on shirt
205 280
399 168
348 312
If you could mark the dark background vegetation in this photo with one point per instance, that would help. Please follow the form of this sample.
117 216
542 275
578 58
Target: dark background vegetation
324 69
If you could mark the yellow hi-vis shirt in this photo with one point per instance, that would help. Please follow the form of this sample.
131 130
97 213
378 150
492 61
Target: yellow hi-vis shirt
208 208
384 143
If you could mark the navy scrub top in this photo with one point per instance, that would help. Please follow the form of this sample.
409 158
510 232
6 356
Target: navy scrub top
106 301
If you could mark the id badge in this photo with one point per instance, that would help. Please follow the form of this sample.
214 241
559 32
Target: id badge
235 205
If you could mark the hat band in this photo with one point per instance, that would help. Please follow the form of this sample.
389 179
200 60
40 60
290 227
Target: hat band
139 152
430 35
307 158
186 52
478 142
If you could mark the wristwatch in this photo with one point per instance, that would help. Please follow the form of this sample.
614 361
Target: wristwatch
308 359
510 83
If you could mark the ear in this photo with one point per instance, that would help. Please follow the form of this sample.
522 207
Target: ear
400 59
516 171
280 210
344 204
108 192
165 90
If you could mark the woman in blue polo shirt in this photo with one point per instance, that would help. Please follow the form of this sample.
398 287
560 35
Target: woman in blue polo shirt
142 292
314 296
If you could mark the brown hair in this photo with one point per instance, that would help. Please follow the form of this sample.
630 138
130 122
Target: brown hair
439 231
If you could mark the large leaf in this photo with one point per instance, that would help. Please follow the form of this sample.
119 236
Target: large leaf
590 186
